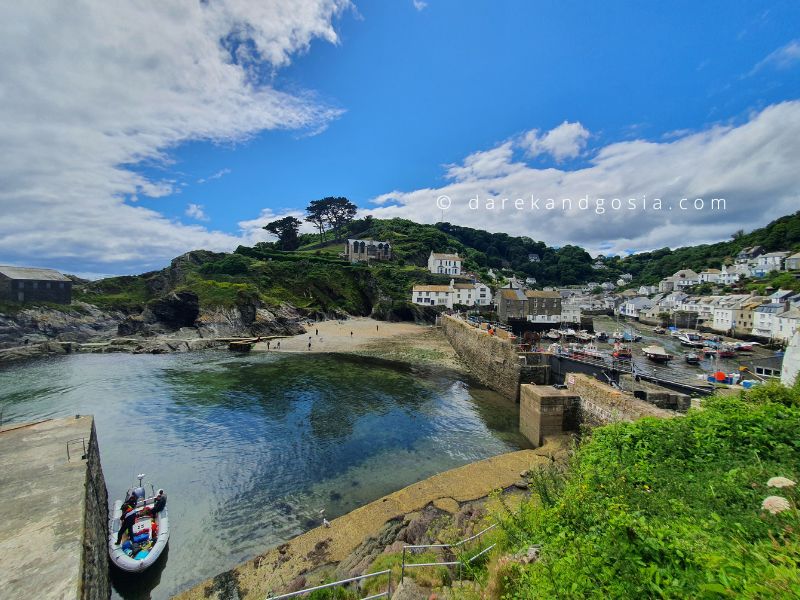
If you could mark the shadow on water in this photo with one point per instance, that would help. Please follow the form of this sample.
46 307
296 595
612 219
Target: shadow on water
139 586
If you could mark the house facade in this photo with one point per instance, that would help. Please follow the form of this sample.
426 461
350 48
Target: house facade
445 264
464 294
792 262
511 304
543 306
28 284
367 250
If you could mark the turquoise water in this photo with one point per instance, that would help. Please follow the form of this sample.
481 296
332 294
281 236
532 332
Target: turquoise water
251 448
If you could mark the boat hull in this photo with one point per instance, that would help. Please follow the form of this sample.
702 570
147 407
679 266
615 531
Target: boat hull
117 554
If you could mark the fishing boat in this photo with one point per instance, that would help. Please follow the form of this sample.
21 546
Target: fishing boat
553 335
615 337
602 336
691 358
743 347
622 352
707 351
690 340
656 354
587 351
659 330
150 531
726 351
584 336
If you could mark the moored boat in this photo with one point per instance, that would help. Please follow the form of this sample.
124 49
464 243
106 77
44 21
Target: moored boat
691 358
726 351
659 330
622 352
656 353
145 525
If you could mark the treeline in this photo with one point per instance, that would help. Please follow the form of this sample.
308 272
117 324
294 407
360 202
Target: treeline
651 267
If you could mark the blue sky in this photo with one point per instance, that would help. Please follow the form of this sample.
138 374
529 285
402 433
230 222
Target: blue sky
388 98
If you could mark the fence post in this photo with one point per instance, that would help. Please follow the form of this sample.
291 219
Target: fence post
403 566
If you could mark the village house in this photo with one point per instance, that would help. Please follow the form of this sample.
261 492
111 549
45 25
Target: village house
769 263
786 324
731 274
710 276
543 306
749 254
631 307
727 310
646 290
28 284
607 286
764 319
464 294
446 264
511 304
367 250
792 262
685 278
570 313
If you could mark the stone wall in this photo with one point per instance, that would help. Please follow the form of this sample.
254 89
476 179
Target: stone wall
545 411
601 404
95 581
494 361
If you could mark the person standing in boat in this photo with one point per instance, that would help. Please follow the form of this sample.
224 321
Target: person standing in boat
127 525
159 503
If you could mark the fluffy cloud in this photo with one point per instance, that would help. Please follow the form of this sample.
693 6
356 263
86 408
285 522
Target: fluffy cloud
565 141
89 90
195 211
753 166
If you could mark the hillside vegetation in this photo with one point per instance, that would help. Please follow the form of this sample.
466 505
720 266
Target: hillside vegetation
668 508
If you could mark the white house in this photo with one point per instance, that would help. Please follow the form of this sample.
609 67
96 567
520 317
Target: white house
710 276
792 262
447 264
726 311
467 294
684 278
646 290
570 313
785 324
731 274
632 307
767 263
764 319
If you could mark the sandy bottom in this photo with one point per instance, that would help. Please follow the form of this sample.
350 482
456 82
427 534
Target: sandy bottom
405 342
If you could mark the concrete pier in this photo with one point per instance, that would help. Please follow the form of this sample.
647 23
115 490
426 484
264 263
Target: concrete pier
53 512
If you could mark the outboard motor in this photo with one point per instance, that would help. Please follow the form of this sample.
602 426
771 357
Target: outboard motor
139 491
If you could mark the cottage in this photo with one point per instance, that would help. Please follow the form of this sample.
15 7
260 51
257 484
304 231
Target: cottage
768 263
683 279
710 276
786 324
433 295
748 254
367 250
543 306
28 284
465 294
792 262
511 304
764 319
446 264
633 306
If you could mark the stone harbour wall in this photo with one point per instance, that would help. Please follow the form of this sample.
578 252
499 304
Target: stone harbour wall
95 581
494 361
601 404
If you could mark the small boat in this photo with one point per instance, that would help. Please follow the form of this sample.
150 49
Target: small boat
709 351
691 358
622 352
743 347
589 351
584 336
726 351
150 532
656 354
553 335
602 336
659 330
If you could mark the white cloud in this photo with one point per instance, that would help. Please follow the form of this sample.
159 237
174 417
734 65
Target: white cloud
89 90
218 175
420 5
752 165
783 58
565 141
195 211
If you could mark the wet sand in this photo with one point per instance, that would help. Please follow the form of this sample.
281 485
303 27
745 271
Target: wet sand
404 342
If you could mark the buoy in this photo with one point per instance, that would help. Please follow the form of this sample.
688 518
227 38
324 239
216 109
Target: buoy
720 376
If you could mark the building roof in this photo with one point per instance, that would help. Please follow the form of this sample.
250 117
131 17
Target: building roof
797 255
440 256
542 294
32 273
711 271
793 314
775 254
771 308
431 288
464 286
511 294
367 242
685 274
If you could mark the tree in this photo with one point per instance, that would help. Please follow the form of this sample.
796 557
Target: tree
286 229
317 214
334 212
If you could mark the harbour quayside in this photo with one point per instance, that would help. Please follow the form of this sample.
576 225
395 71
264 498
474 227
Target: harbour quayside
138 529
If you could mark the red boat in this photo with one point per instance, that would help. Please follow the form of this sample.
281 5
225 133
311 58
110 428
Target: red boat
622 353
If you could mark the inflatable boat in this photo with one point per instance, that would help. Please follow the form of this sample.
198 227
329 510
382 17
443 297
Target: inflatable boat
140 547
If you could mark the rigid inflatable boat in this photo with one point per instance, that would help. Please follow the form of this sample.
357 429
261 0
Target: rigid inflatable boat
150 532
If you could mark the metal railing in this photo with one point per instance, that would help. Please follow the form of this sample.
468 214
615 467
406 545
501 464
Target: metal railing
405 565
324 586
75 442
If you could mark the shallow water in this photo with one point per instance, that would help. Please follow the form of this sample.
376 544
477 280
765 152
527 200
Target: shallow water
251 448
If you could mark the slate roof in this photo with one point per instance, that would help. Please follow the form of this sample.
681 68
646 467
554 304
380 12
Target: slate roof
32 273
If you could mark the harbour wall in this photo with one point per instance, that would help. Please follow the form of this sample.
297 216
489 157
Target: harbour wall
53 512
494 361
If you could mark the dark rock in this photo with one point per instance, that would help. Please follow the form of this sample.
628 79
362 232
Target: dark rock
131 326
176 310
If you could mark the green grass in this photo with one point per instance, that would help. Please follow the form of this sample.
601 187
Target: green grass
668 508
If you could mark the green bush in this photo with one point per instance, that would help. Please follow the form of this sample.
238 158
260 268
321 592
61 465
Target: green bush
668 508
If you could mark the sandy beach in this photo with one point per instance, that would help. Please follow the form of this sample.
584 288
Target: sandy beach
404 341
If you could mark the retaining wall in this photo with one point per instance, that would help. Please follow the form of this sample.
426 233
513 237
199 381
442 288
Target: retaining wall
494 361
95 583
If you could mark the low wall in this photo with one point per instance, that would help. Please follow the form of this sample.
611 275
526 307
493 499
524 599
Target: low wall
601 404
494 361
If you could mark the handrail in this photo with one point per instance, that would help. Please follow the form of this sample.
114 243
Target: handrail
340 582
444 563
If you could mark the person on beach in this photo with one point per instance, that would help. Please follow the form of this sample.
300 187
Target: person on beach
309 346
279 345
351 334
267 344
376 327
316 331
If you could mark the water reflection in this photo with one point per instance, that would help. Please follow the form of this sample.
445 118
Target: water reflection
250 448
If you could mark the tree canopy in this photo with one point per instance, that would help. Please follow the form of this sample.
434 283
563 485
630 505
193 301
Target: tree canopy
286 229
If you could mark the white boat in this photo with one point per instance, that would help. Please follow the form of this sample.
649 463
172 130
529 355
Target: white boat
150 532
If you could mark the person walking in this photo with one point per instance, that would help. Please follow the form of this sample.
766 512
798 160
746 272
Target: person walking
316 331
309 346
267 344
